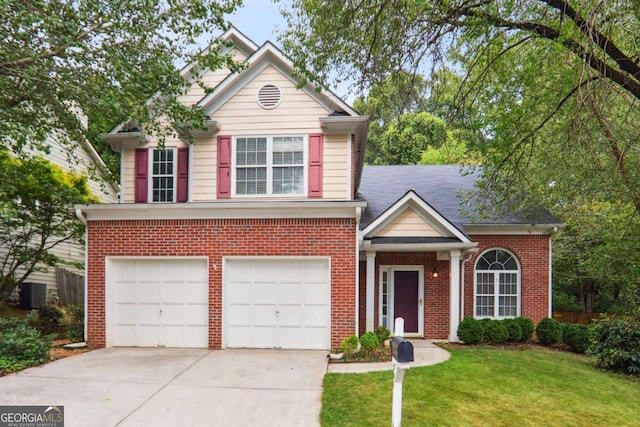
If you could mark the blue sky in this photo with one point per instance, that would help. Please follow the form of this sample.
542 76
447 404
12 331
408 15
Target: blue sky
259 20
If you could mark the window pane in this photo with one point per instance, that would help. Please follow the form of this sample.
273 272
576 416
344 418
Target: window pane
251 180
251 151
162 176
288 180
288 150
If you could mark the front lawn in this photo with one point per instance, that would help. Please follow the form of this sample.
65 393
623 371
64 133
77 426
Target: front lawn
487 386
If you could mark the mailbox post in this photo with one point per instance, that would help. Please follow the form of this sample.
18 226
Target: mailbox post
402 355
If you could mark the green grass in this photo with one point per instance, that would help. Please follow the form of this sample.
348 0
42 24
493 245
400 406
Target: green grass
488 387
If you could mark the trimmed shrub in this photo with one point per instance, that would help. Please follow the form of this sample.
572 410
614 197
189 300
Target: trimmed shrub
383 334
526 327
49 319
369 341
616 343
495 332
578 337
75 327
349 345
514 330
471 331
549 332
21 345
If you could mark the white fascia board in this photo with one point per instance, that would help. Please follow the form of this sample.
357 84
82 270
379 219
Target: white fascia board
413 200
341 124
221 210
511 229
416 247
267 55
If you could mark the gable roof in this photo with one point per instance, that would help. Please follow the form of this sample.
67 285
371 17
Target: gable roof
440 186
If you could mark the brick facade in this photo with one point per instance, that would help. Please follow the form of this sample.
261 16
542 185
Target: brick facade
217 238
532 252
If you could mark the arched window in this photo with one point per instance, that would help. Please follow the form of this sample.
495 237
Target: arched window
497 286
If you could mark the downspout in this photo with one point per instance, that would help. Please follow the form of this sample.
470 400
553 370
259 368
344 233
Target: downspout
357 258
466 258
83 219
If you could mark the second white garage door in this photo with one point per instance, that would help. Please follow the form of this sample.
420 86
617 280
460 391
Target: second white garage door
278 303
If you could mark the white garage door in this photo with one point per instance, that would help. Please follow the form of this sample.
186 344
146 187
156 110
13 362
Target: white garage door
159 302
278 303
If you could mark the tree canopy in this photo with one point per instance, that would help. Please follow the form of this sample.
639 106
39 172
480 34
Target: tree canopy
106 57
552 85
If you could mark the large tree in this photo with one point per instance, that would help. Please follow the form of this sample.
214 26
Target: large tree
555 79
105 57
35 216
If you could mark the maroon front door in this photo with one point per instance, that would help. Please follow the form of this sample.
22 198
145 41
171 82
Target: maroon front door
405 299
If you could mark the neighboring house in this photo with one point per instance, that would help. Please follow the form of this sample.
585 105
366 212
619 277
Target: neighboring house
266 232
79 158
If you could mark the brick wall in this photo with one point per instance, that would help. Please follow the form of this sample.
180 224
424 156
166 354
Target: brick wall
216 238
531 250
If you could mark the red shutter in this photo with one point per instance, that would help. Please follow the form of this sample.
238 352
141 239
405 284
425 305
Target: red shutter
224 166
183 175
141 171
315 164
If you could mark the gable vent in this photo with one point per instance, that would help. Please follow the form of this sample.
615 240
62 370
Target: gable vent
269 96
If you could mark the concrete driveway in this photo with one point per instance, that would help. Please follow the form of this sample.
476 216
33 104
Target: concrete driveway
176 387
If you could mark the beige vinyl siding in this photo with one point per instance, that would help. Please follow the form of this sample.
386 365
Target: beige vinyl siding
297 113
205 159
210 79
408 224
336 171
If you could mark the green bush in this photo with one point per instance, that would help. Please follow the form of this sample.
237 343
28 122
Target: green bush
21 345
549 332
383 334
369 341
495 332
616 343
349 345
526 326
75 327
49 319
578 337
471 331
514 330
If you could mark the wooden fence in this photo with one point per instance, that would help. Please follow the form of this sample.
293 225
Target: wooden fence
70 287
575 317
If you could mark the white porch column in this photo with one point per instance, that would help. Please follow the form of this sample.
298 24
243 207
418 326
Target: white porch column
454 295
371 280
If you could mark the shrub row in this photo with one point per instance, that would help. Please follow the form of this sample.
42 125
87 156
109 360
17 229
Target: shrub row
576 337
474 331
52 320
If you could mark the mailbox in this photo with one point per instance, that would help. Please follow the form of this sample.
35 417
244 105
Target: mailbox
401 350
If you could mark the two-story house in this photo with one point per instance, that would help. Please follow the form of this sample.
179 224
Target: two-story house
269 232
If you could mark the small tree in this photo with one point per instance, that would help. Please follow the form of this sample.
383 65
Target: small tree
36 197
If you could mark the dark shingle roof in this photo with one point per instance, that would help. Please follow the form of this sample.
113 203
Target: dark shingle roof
439 185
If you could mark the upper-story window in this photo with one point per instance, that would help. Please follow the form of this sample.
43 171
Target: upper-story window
270 165
497 287
163 175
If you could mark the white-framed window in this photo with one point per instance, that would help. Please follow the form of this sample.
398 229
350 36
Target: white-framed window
384 299
497 285
163 175
269 165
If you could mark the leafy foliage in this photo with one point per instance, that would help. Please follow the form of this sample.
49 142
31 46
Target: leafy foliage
495 332
49 319
350 344
578 337
513 329
103 56
549 332
21 345
470 331
369 341
616 343
75 325
35 215
383 334
526 327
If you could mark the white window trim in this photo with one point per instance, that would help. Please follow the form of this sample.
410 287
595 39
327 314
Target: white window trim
496 291
269 166
150 174
390 269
